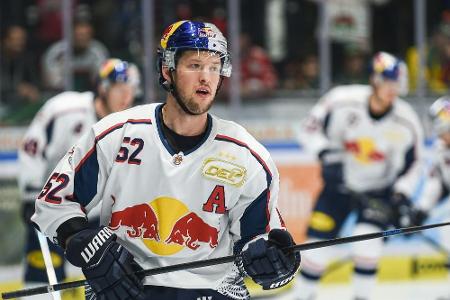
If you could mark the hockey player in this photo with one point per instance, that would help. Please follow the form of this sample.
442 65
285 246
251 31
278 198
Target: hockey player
369 142
437 183
56 127
175 184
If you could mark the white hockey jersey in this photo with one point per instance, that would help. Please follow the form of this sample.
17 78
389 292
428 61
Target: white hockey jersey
165 207
376 154
57 126
437 183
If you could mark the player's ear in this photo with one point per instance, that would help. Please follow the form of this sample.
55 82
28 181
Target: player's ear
166 74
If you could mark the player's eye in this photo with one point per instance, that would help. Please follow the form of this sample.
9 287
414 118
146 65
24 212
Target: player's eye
194 66
215 69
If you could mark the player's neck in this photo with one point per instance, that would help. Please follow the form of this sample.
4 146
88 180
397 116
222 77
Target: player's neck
376 108
182 123
100 109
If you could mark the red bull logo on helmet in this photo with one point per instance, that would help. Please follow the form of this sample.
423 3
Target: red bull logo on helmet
207 32
166 226
364 150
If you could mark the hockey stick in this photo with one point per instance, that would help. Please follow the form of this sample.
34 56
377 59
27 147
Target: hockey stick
227 259
48 263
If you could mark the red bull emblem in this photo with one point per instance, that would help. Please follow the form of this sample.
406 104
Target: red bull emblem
140 219
364 150
190 229
207 32
165 226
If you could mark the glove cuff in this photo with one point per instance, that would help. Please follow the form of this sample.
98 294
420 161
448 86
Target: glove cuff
87 247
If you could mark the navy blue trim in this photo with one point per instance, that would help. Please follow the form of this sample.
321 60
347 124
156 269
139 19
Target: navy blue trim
410 157
205 137
160 132
254 220
326 122
164 140
309 276
366 272
49 131
48 134
85 180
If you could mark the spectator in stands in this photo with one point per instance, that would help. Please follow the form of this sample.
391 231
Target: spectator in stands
354 66
437 60
19 82
88 54
258 76
302 73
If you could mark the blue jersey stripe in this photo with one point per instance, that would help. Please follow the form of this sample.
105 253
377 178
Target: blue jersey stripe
86 178
254 221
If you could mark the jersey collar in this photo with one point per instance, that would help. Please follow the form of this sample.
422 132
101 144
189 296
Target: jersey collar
166 142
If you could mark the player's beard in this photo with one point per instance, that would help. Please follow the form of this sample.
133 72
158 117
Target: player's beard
193 107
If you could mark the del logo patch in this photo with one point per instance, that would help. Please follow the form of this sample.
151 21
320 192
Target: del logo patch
224 171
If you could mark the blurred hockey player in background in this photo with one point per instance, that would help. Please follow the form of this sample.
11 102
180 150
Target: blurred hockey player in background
57 126
175 184
370 144
437 183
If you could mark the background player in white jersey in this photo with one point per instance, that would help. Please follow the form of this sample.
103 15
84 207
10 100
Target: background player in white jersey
437 183
175 184
57 126
373 141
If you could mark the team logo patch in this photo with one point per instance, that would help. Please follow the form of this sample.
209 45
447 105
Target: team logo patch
224 171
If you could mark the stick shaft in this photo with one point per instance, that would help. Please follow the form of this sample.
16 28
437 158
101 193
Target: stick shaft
48 263
228 259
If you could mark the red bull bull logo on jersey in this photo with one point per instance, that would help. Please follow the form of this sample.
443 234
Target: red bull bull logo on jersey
166 226
140 219
364 150
190 229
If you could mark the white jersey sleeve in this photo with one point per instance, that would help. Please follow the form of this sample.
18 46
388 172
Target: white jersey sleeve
437 179
257 204
75 186
313 134
319 131
412 156
58 124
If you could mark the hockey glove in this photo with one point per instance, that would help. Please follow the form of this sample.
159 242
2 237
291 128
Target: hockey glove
405 215
267 264
105 263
